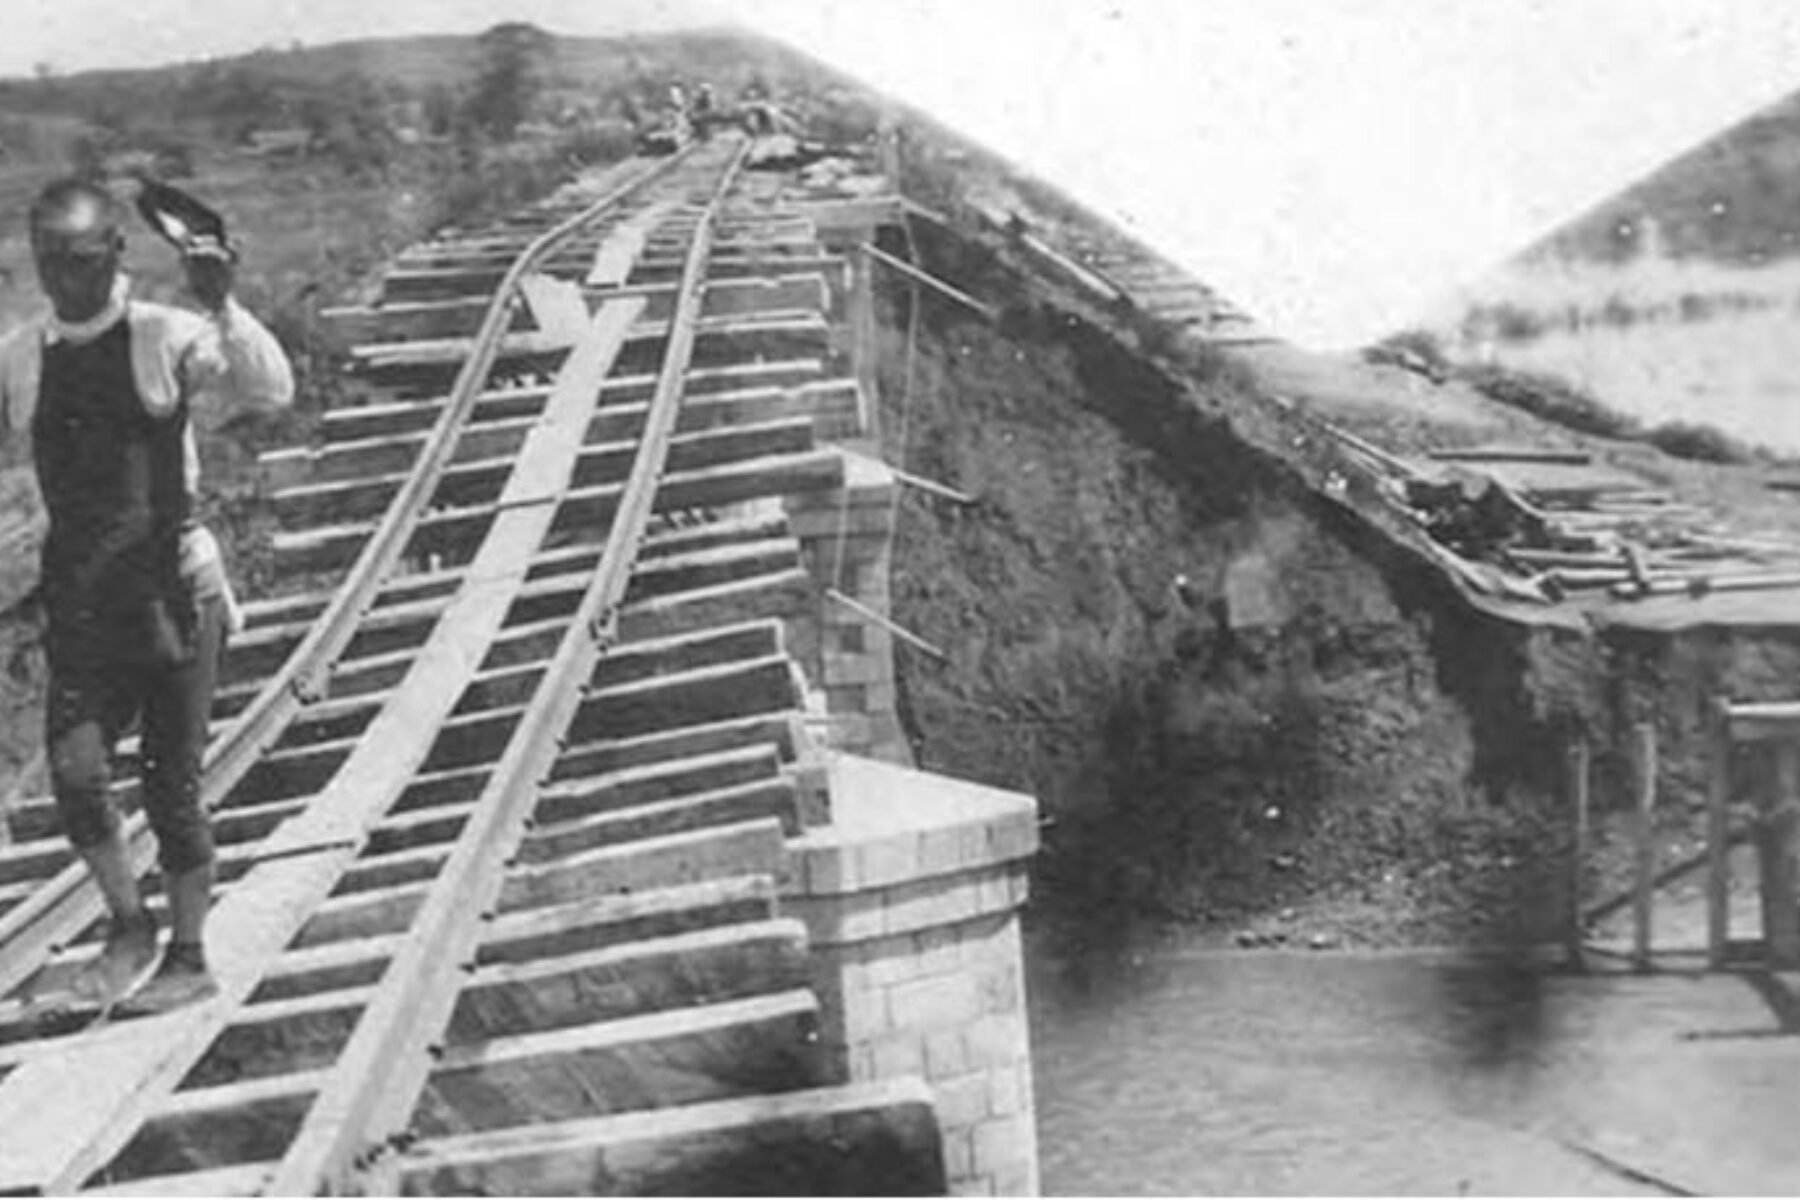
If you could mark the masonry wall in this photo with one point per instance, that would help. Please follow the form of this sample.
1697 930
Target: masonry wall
846 543
911 888
911 898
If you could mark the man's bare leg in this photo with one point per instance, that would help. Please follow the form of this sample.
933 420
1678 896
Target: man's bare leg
130 945
182 977
175 725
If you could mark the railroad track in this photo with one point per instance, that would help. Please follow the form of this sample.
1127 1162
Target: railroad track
501 778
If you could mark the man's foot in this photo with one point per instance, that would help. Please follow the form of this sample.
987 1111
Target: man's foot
129 950
180 980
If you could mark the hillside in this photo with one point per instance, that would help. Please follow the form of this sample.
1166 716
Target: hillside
405 68
1671 304
1734 198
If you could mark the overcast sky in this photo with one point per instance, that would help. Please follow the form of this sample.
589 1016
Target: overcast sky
1333 165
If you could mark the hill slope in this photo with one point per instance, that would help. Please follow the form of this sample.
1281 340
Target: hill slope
1734 198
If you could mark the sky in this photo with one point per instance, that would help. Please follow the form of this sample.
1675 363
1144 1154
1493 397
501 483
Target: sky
1334 166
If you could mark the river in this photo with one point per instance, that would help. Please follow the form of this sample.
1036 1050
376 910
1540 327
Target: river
1172 1071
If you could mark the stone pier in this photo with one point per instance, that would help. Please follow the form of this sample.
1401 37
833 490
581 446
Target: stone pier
911 899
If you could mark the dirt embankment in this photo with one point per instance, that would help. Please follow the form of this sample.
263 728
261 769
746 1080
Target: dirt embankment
1242 709
1235 706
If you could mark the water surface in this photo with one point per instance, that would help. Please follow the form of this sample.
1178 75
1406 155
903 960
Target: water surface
1180 1072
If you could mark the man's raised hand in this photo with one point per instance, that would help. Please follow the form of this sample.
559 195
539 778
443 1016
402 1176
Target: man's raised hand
211 269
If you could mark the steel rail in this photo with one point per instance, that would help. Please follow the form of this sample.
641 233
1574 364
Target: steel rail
68 901
374 1085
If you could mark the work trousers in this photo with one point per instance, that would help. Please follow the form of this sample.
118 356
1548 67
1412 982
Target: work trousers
94 698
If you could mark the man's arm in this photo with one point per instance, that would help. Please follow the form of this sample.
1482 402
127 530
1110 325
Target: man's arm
15 404
236 355
244 360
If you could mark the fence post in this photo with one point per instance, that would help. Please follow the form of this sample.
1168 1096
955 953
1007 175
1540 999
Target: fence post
1643 753
1576 757
1718 834
1776 846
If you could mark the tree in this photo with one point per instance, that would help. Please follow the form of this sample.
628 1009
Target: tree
510 76
348 119
440 110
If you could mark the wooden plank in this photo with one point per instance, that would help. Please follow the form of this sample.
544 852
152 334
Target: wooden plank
442 533
1643 760
386 357
702 1052
245 1179
728 961
422 596
866 1138
382 420
763 335
750 847
528 934
1576 774
1522 454
369 421
1778 721
556 305
775 798
1718 831
1704 584
580 797
615 257
1776 848
608 755
609 917
482 1054
830 405
586 974
473 483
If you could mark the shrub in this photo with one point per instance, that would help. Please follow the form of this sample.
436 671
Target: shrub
1415 349
1515 324
1551 398
1703 443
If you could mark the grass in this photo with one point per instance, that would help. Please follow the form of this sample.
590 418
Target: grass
1550 398
1557 399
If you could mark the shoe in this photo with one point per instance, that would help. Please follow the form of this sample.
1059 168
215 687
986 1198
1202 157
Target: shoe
129 950
181 979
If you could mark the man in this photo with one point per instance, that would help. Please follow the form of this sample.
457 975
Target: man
133 586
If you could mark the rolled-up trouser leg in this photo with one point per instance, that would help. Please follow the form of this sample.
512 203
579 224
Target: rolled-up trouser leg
177 706
80 770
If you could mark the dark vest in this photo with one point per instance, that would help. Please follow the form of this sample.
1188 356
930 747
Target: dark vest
113 479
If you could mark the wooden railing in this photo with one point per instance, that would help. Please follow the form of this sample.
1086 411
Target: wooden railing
1774 826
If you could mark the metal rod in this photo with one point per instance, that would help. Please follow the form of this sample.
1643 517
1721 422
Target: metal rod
907 636
930 280
928 485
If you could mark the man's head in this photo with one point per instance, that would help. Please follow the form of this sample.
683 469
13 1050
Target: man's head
76 241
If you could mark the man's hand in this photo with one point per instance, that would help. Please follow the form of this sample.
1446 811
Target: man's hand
211 268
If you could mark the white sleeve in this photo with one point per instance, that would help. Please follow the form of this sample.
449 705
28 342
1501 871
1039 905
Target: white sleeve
18 385
238 360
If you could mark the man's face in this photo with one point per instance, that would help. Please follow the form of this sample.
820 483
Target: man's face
77 249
